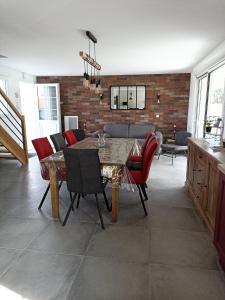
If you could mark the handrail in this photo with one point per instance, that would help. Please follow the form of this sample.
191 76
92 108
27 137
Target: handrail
9 112
23 138
20 139
10 104
10 122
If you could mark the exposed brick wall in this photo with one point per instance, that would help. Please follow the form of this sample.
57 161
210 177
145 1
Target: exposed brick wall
173 107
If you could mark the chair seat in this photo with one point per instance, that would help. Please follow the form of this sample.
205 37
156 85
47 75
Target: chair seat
181 148
168 147
134 165
173 148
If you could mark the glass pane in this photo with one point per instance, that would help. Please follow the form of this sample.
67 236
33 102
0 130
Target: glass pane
203 82
140 97
216 92
215 109
45 114
132 97
3 108
114 97
123 97
51 91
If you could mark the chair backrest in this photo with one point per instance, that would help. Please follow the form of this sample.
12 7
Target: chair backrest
181 138
146 142
148 157
83 171
58 141
70 137
42 147
79 133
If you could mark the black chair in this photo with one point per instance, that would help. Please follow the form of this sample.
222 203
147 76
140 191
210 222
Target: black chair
180 144
83 175
79 133
58 141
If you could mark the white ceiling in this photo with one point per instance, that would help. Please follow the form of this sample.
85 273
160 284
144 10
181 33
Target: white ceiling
44 37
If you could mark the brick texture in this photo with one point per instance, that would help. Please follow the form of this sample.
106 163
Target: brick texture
173 108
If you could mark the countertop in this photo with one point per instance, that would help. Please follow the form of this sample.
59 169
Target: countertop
207 147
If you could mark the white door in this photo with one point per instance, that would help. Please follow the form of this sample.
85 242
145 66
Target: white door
49 114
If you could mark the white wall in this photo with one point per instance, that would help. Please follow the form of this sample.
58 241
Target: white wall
13 78
216 56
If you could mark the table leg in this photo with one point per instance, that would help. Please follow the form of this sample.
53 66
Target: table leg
115 194
54 190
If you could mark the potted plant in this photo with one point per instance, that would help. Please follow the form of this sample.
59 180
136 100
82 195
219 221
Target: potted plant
208 125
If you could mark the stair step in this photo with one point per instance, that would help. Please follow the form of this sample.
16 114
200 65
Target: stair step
3 150
6 155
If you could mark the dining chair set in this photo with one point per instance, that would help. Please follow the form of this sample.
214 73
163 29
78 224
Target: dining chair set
83 171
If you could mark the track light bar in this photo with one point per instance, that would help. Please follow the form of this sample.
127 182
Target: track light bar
90 60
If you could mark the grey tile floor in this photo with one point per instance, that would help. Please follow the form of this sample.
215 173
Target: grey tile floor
165 256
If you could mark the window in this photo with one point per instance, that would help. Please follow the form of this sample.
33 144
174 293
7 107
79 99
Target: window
201 109
3 103
211 93
127 97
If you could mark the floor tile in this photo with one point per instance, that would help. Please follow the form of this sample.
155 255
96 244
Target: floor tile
172 283
105 279
40 276
121 242
7 256
185 248
175 218
17 233
172 197
70 239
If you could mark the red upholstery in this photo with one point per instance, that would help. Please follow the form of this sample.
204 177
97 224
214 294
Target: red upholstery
44 149
139 158
140 177
70 137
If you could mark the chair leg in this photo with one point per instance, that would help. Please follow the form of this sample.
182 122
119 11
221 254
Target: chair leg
99 211
78 200
144 191
142 200
44 196
71 200
109 207
69 210
60 185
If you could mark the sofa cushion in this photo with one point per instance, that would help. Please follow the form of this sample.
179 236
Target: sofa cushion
117 130
140 130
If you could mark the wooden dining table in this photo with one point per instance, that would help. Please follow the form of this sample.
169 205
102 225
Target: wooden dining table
113 155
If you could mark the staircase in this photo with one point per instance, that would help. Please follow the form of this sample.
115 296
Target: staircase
13 141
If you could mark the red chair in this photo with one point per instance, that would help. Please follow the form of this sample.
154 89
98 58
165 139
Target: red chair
70 137
44 149
139 177
145 144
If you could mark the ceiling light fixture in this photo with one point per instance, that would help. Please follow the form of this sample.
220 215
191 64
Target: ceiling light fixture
92 68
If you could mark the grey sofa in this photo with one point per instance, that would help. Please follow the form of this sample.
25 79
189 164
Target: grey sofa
137 131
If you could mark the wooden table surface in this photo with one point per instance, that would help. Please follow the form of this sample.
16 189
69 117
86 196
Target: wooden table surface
114 154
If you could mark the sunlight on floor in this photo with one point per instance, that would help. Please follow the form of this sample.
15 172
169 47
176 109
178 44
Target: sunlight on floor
8 294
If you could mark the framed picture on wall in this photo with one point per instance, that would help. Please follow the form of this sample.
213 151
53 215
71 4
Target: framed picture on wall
127 97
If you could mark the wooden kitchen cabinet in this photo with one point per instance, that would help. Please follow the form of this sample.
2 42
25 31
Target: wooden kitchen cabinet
202 179
219 237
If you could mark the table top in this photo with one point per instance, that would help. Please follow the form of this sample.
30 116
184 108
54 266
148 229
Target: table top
115 152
